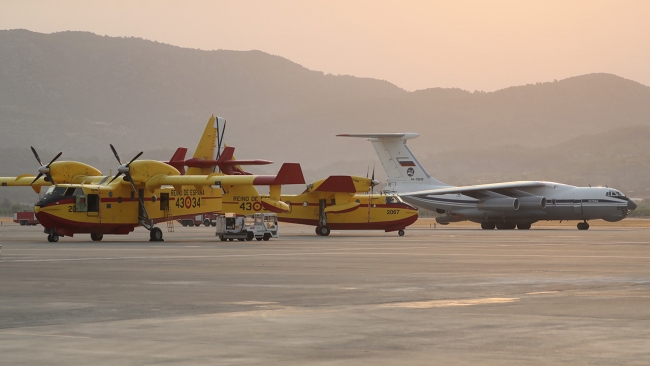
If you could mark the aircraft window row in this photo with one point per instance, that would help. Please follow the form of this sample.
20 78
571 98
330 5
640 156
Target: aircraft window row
614 194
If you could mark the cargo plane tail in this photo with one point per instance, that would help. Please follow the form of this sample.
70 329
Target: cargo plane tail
405 173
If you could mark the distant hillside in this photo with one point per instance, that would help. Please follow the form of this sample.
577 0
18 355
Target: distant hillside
77 92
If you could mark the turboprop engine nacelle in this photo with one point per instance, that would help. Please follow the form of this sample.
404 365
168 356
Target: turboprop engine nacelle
532 202
499 204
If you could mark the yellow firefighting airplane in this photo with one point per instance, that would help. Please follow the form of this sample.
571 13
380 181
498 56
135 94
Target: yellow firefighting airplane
81 200
332 203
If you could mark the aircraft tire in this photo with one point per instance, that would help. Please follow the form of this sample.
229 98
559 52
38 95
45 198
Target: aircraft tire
400 233
156 234
523 226
324 230
96 237
505 226
583 226
488 225
53 238
318 230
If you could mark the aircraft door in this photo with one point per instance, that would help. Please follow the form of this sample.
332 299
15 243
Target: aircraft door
81 203
577 206
164 201
93 205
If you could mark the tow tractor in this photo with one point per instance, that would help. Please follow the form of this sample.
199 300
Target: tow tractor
260 226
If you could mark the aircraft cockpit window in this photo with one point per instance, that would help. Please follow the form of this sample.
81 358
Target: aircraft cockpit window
78 192
69 192
390 199
58 190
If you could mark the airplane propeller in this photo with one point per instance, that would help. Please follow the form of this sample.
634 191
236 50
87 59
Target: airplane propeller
124 169
44 169
373 183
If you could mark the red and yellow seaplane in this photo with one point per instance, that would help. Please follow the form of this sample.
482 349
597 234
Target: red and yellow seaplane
334 203
79 199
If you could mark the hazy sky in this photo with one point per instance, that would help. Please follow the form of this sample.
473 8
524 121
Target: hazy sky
474 45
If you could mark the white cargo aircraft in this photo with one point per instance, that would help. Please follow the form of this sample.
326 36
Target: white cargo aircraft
501 205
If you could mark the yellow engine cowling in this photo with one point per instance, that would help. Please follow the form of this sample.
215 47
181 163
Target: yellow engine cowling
143 170
64 172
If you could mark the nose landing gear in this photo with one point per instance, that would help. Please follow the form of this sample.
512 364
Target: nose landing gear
583 225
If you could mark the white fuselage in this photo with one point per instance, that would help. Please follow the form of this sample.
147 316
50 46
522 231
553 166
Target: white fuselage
563 202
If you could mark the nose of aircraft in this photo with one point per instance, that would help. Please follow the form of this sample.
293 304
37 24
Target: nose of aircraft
631 206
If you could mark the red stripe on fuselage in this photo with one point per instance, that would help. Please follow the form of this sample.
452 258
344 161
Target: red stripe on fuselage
382 225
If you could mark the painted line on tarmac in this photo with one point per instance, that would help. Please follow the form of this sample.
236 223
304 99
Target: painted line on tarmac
41 335
449 303
338 252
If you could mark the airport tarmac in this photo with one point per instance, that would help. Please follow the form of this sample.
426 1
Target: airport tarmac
455 295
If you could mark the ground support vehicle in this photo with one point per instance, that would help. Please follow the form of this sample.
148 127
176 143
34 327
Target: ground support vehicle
205 219
27 218
260 226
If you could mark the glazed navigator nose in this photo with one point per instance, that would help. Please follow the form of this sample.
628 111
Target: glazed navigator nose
631 206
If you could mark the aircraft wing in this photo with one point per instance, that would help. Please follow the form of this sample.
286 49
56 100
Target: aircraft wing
478 190
404 136
341 184
23 180
290 173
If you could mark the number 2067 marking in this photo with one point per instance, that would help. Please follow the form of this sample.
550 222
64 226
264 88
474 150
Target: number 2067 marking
392 212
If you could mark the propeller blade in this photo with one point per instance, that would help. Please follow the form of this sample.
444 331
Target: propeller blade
36 155
128 176
35 179
144 209
132 160
115 177
116 155
53 160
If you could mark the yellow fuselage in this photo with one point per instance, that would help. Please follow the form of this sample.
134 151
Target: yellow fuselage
115 208
364 212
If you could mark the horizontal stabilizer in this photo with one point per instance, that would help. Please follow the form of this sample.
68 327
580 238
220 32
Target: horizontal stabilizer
290 173
178 159
382 136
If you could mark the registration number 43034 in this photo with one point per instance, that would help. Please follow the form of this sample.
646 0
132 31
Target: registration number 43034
188 202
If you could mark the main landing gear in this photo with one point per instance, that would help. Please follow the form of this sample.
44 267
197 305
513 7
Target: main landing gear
490 225
322 230
52 238
155 234
96 237
583 225
400 233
